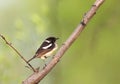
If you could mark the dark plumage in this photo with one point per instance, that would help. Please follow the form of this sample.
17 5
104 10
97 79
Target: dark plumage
46 48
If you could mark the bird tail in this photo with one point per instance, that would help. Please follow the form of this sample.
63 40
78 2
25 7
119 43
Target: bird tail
31 58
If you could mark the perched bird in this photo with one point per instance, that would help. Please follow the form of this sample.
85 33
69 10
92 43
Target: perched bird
46 49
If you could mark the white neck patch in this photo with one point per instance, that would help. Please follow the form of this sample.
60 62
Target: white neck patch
47 41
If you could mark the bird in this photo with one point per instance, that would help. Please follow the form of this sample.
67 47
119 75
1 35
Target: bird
46 49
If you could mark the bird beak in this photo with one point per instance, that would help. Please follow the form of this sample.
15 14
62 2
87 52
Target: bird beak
57 38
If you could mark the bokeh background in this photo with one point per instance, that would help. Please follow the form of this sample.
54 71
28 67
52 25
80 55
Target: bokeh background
94 58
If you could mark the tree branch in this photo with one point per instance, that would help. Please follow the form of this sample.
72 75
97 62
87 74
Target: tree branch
9 44
38 76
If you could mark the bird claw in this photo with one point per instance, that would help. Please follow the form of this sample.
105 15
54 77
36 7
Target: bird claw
37 69
44 66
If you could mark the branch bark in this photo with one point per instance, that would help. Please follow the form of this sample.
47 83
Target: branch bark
36 77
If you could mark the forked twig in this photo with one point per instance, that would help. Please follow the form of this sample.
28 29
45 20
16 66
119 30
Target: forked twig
10 44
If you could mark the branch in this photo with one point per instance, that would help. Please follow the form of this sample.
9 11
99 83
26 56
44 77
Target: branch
9 44
38 76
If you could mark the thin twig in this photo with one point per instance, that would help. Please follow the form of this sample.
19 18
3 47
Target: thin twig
37 77
9 44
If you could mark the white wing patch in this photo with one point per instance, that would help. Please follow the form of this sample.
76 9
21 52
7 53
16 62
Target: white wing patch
46 47
49 53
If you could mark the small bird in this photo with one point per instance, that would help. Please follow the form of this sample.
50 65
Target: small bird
46 48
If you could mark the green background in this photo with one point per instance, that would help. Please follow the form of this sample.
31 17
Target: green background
94 58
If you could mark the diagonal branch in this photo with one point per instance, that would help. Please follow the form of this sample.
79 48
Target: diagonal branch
37 77
9 44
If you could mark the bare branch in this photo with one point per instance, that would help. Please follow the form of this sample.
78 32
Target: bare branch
9 44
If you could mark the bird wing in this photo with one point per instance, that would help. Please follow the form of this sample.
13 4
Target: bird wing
44 48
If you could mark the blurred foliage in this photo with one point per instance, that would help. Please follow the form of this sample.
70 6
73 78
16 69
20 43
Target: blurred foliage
94 58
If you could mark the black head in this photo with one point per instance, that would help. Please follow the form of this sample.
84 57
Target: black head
52 39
